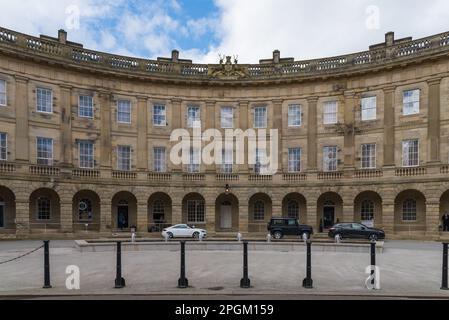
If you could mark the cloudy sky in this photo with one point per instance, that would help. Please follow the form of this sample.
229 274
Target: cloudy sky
251 29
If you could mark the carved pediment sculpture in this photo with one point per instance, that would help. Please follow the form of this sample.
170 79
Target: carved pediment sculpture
228 70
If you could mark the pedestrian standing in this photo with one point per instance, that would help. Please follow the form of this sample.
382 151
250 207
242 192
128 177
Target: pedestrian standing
445 222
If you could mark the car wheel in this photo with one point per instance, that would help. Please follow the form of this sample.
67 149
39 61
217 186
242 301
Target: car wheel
373 237
170 235
278 235
196 235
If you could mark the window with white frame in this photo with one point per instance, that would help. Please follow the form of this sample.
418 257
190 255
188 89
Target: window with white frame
260 117
124 111
368 156
124 158
43 208
194 161
86 154
3 146
330 112
44 151
159 159
159 115
409 210
44 100
259 211
195 211
410 153
367 210
227 117
2 92
227 161
193 117
293 209
411 102
294 116
369 108
330 162
294 160
86 107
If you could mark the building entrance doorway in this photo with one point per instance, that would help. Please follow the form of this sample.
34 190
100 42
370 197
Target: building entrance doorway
328 217
2 214
123 215
226 216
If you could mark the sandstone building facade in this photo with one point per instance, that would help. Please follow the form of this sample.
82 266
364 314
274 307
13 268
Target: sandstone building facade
85 139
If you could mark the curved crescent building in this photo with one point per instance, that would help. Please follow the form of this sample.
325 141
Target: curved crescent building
85 148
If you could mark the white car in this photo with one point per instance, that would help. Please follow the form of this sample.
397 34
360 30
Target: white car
183 231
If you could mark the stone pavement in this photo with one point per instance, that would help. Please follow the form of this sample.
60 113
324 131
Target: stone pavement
408 269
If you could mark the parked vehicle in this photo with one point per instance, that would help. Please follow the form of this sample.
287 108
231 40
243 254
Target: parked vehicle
356 231
280 227
183 231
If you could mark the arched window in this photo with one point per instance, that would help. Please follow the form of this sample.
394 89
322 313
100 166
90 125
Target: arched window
409 210
85 212
158 211
43 209
367 210
259 211
293 209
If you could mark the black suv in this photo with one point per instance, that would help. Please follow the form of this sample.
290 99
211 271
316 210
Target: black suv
280 227
356 231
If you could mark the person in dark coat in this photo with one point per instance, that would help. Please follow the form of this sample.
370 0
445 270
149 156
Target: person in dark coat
445 222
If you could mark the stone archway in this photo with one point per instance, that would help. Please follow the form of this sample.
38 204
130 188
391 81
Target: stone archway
86 211
410 212
7 210
260 212
124 211
227 213
368 209
330 210
45 210
294 205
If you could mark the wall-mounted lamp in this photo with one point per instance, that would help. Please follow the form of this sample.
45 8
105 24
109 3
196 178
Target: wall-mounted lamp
227 189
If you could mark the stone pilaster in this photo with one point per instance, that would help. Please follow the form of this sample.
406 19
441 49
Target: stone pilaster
278 124
243 218
210 218
432 218
312 134
348 211
66 216
349 121
388 217
312 215
177 212
244 125
177 123
106 123
66 126
389 131
22 216
106 216
22 115
142 134
142 216
210 124
433 124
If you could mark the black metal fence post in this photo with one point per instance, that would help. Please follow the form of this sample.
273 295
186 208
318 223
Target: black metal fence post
183 282
308 282
444 285
245 283
119 281
373 261
47 284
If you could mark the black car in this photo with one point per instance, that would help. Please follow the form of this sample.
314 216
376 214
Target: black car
356 231
280 227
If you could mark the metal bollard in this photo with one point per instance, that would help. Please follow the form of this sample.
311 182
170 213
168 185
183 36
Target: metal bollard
444 285
183 282
373 261
308 282
47 284
245 283
119 281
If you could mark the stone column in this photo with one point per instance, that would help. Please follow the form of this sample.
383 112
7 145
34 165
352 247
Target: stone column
432 218
22 215
106 216
388 217
312 134
278 124
106 122
142 134
389 131
349 140
433 124
22 114
244 125
66 126
66 216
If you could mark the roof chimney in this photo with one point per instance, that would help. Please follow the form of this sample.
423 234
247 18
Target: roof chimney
276 56
175 56
389 39
62 36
